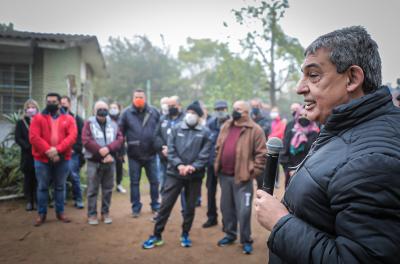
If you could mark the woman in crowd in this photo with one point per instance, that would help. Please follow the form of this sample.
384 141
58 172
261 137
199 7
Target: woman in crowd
297 141
31 108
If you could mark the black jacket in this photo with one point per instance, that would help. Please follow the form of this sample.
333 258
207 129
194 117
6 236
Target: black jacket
22 139
344 200
77 147
163 130
188 146
139 130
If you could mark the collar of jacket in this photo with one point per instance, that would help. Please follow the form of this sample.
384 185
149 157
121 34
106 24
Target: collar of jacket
245 123
185 126
359 110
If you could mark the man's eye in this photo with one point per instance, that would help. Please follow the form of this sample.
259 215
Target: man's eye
314 77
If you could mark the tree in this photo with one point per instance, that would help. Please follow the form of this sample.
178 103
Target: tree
133 64
6 27
278 52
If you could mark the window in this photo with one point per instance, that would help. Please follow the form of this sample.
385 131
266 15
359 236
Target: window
14 87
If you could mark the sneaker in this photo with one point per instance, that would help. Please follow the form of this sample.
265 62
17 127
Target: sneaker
106 219
92 220
152 242
226 241
185 241
120 189
247 248
79 205
135 214
210 223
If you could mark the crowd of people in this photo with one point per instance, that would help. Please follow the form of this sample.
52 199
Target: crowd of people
176 146
341 202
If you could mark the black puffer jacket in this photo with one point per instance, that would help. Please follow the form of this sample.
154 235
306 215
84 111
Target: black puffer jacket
344 200
188 146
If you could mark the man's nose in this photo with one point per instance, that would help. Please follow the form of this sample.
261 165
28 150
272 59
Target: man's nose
302 86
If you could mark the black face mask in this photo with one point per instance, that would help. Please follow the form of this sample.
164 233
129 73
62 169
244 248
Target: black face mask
236 115
52 108
304 121
173 111
255 111
102 112
65 109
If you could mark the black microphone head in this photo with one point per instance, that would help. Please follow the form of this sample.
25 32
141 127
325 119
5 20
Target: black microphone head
274 145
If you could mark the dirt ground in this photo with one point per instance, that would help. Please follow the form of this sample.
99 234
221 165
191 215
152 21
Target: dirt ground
120 242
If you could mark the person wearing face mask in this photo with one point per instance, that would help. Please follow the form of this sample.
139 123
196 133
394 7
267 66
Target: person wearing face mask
188 151
167 122
101 138
115 111
258 116
214 124
240 157
31 108
138 124
52 135
300 134
77 155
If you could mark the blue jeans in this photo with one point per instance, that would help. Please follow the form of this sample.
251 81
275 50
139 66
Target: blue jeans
135 168
75 177
45 173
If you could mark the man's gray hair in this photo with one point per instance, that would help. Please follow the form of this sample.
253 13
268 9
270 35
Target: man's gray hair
352 46
98 104
176 99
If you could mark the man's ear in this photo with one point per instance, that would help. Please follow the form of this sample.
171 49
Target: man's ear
355 79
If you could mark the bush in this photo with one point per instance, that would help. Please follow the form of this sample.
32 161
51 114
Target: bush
11 177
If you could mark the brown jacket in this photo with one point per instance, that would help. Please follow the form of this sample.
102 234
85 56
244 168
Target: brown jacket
251 150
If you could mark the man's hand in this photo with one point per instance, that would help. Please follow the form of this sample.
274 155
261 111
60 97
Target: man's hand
104 151
268 209
190 169
55 159
291 173
51 152
164 151
182 170
108 159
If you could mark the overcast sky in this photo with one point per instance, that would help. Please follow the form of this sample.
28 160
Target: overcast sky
179 19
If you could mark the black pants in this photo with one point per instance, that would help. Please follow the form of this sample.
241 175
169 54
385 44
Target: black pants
172 188
211 184
119 170
30 186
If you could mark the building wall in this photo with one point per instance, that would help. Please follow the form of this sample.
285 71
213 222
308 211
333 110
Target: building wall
37 77
57 65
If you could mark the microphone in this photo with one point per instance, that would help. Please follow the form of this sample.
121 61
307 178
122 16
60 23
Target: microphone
274 146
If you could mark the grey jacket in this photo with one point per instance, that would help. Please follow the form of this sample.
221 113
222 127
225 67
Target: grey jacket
188 146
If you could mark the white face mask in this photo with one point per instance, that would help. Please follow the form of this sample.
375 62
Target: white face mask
191 119
273 115
114 111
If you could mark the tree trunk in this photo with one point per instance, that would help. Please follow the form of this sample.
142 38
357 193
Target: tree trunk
272 91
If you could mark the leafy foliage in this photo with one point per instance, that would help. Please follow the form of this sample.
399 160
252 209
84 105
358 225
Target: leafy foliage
266 41
11 176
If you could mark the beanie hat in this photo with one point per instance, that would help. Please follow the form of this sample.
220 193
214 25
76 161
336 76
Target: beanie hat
195 106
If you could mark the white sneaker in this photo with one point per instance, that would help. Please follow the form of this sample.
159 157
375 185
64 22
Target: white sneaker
92 220
107 219
120 189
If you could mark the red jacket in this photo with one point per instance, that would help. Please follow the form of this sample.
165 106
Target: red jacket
40 136
277 128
